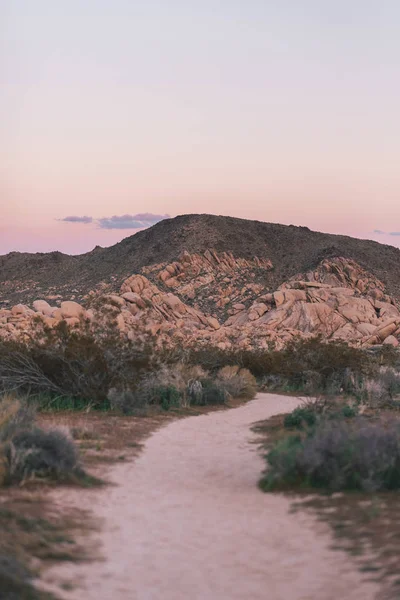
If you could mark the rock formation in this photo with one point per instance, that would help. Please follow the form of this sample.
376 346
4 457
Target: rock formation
216 298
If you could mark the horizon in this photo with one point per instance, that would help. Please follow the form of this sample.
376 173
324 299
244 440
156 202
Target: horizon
280 113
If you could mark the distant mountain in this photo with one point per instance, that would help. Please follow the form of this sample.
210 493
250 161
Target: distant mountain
292 250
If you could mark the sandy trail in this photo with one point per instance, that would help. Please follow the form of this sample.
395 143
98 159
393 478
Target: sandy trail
186 520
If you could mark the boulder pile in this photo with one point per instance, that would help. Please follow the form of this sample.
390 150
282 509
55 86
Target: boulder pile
227 301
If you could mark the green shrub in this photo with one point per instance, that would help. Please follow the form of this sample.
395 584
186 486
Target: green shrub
312 411
282 461
349 411
299 417
212 393
168 397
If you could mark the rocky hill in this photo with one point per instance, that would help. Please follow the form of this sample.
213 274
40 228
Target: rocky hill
220 297
291 250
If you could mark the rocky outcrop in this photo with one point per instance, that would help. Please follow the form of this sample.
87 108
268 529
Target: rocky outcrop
216 298
338 300
212 282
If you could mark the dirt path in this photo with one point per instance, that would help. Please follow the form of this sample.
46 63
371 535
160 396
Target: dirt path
186 520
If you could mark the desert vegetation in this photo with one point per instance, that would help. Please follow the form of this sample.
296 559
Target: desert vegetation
28 452
101 370
339 458
343 440
336 451
313 367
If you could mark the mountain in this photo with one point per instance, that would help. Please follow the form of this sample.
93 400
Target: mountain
219 280
292 250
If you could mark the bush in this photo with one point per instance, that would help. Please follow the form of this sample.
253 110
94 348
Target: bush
167 396
37 453
282 460
338 455
349 411
239 383
79 365
313 411
212 393
299 357
300 417
175 386
308 365
127 401
26 451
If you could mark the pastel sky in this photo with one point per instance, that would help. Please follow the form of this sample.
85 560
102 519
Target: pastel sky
124 111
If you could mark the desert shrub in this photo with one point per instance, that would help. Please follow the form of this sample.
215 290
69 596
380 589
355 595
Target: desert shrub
164 387
212 392
27 451
303 364
381 390
349 411
80 365
167 396
312 411
372 393
390 379
171 386
239 383
282 463
38 453
272 382
299 417
338 455
126 401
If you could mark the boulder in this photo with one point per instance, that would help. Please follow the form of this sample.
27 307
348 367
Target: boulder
213 322
391 341
19 309
43 307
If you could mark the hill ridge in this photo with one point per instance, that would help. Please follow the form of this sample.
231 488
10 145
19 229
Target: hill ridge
291 249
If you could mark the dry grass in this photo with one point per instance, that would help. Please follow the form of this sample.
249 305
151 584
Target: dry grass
239 383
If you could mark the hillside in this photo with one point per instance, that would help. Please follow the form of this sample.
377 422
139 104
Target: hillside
292 250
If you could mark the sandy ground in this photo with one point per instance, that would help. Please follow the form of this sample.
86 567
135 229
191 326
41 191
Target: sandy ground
186 520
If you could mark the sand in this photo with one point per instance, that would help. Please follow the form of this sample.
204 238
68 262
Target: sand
185 520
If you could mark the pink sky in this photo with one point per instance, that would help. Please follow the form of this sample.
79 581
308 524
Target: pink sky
282 113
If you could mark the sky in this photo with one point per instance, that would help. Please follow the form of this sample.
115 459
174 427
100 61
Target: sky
116 113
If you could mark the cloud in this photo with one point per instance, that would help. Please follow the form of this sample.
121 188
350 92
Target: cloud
75 219
138 221
387 232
